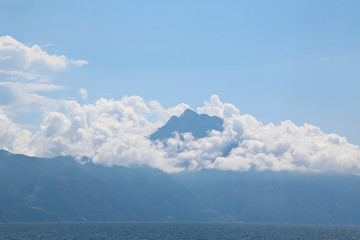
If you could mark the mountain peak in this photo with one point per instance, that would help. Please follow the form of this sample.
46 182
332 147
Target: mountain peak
188 113
199 125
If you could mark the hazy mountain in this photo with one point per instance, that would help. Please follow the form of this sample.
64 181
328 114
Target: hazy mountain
276 197
156 191
198 124
60 189
35 189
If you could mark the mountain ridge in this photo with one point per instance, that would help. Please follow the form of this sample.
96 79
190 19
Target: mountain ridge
61 189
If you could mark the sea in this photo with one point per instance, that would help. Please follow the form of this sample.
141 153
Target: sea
187 231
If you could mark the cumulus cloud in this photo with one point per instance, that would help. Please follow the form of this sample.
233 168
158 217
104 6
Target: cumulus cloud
13 137
109 132
116 132
30 66
25 62
285 147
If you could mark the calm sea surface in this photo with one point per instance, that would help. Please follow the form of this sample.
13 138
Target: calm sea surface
174 231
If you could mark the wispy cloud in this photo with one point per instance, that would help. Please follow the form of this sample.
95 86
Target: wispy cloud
46 45
31 87
78 63
324 58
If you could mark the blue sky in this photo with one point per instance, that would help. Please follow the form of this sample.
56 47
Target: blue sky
275 60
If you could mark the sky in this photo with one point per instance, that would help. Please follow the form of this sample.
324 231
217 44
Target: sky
272 60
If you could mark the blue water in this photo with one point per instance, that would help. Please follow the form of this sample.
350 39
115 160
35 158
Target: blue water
174 231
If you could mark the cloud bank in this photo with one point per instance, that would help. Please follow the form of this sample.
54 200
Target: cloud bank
116 132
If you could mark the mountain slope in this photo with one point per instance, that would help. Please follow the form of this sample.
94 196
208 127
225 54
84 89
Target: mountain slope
276 197
35 189
60 189
162 197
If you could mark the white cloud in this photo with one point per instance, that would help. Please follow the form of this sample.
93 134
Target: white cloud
14 74
78 63
12 137
25 98
83 93
20 60
30 87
